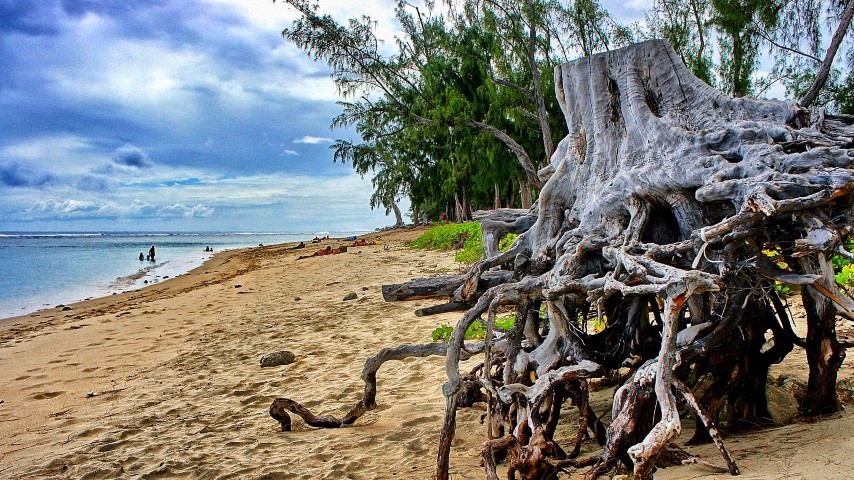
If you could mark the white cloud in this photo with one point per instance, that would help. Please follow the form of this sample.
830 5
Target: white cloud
291 153
639 5
313 140
77 209
60 153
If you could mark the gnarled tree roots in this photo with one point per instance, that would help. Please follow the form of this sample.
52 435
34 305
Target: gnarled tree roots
647 258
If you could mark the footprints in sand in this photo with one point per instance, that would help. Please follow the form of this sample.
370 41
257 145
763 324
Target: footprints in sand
45 395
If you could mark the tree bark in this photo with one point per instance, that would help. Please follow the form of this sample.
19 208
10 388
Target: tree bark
829 55
645 252
398 217
496 199
525 194
434 287
824 354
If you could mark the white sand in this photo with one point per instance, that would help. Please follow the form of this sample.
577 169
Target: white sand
179 392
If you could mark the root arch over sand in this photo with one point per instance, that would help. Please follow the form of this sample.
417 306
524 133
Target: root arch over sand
652 222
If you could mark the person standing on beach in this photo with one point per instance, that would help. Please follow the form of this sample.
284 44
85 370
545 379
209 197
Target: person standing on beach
151 253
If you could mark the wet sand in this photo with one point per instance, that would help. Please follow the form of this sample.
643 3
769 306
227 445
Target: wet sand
177 390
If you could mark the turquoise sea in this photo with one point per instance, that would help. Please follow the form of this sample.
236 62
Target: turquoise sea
41 270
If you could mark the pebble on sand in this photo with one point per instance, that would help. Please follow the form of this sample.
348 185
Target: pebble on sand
274 359
350 296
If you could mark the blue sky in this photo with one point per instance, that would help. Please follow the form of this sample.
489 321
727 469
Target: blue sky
174 115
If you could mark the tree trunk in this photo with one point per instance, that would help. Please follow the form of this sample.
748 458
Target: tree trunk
466 207
829 55
824 354
512 196
645 249
398 217
525 194
539 96
458 208
496 203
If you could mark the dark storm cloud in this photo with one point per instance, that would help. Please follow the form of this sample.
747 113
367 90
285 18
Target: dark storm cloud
26 17
131 156
15 174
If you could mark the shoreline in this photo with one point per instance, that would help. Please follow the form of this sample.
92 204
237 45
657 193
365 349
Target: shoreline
179 262
165 381
111 387
167 284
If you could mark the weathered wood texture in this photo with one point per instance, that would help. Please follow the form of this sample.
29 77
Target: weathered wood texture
643 253
433 287
665 192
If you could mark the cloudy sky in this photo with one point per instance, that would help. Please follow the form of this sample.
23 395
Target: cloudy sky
158 115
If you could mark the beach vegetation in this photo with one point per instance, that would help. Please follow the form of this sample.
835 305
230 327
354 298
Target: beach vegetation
842 267
476 331
464 237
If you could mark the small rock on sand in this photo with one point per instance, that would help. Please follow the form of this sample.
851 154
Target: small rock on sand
274 359
350 296
66 308
782 405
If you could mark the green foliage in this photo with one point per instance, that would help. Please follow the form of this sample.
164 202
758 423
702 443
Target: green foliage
843 267
507 242
463 237
599 323
476 330
782 288
472 250
448 236
845 276
686 25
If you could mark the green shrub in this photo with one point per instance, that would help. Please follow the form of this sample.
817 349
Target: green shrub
845 276
842 267
463 237
476 331
448 236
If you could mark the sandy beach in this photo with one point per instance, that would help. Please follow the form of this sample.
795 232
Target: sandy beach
165 382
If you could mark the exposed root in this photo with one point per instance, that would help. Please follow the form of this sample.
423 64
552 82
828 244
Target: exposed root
281 406
646 253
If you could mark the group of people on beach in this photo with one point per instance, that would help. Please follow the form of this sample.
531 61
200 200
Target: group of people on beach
152 252
149 257
327 250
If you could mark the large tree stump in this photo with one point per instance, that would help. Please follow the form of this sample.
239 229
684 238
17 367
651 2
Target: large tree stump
644 251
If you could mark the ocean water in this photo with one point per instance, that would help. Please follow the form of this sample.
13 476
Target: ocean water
42 270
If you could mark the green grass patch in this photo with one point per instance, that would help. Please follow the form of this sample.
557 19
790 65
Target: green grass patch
463 237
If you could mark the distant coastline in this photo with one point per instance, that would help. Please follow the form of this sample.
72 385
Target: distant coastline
40 270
